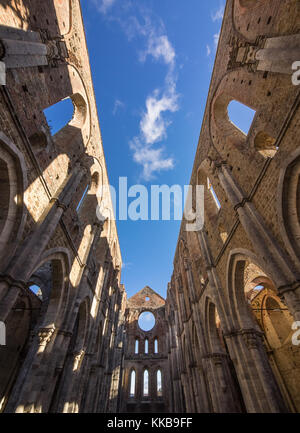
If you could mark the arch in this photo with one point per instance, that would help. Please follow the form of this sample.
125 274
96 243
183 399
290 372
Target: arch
146 346
59 114
213 327
212 204
240 115
252 310
241 313
132 387
264 128
82 326
136 348
159 384
57 297
156 345
288 204
64 15
146 383
13 183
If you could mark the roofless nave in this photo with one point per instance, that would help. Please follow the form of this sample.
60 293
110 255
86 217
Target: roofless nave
225 339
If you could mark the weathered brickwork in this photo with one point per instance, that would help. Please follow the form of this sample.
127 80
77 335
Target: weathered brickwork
235 290
60 354
223 338
145 351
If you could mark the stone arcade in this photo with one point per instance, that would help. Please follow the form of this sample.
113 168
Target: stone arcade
223 338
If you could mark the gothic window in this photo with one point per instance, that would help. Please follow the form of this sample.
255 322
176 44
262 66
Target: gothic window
136 346
82 198
146 384
132 383
159 383
214 195
146 345
156 345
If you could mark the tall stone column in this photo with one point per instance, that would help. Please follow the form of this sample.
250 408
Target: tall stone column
239 352
32 248
202 402
286 278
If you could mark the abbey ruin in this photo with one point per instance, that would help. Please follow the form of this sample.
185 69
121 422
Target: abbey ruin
223 339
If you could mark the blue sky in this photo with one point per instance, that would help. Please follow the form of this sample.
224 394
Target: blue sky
151 63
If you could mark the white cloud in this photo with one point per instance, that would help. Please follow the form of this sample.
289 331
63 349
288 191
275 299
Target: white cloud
216 39
160 48
150 158
104 5
208 50
218 15
118 104
153 124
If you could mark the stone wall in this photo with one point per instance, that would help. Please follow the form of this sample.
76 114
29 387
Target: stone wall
235 290
60 354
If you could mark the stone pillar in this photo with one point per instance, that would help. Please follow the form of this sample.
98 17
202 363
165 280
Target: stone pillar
34 245
278 264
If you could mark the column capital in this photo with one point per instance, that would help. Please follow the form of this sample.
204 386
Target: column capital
45 335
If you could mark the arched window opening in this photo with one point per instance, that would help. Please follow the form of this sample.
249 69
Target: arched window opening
156 345
82 198
59 114
36 290
146 384
159 383
132 383
265 145
214 195
136 346
241 116
146 345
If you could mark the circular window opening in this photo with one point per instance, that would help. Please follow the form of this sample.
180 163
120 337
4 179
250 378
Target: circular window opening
146 321
147 298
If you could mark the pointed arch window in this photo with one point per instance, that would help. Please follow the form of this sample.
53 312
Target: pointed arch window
136 350
146 384
214 195
82 198
156 345
146 345
132 383
159 383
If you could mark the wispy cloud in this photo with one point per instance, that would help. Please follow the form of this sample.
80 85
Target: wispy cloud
138 22
159 47
117 105
216 39
103 6
218 14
